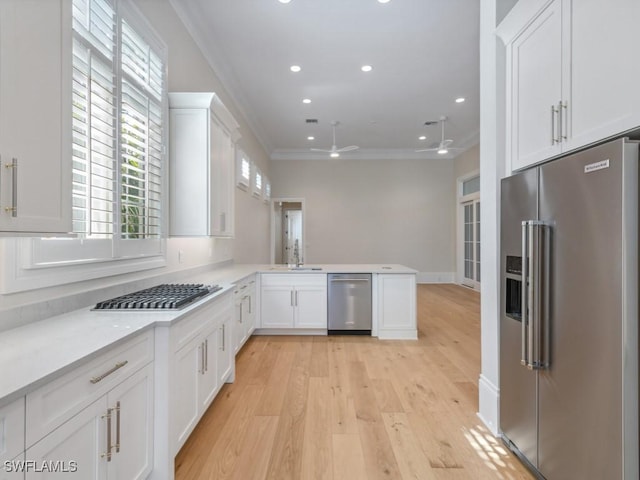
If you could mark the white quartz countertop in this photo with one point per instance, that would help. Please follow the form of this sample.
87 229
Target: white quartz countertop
34 354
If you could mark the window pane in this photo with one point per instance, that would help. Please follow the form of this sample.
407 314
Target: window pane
471 186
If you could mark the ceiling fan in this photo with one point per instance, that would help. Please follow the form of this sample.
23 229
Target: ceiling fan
443 147
335 151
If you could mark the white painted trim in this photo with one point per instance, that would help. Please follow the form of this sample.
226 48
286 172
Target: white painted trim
290 331
436 277
410 334
489 404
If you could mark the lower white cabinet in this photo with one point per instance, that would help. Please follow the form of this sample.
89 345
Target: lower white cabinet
97 420
12 440
293 301
245 311
201 361
396 298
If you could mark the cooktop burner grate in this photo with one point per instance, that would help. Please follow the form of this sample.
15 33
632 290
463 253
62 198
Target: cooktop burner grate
166 296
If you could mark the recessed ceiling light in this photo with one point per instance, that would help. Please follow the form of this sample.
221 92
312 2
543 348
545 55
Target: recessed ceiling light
295 68
384 1
334 155
422 137
311 138
366 68
459 99
306 100
443 151
287 1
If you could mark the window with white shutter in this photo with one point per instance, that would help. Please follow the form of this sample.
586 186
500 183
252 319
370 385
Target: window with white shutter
119 116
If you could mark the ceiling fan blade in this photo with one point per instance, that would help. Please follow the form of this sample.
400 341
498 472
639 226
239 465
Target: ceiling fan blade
446 143
348 149
320 150
428 150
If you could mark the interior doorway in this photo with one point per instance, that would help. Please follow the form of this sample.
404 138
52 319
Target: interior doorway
287 237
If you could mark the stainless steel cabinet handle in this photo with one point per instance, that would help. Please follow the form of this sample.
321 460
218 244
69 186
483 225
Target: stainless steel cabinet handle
296 298
223 222
117 426
250 303
563 123
13 209
224 343
206 355
292 298
108 453
559 121
201 358
101 377
241 305
553 125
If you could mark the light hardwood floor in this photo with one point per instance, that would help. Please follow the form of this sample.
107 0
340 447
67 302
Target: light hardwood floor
355 408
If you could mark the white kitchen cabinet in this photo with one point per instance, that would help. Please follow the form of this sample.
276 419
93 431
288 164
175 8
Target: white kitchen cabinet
570 77
105 405
396 306
202 157
293 301
35 116
202 362
245 311
12 419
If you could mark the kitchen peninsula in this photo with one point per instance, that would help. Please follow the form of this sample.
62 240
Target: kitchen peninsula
88 374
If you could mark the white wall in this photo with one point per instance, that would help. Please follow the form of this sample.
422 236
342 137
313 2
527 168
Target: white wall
467 162
187 71
375 211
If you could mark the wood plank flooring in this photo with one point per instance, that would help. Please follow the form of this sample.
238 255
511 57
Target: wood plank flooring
350 408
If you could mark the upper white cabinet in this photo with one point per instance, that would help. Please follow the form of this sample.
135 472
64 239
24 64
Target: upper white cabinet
35 116
293 301
570 76
202 155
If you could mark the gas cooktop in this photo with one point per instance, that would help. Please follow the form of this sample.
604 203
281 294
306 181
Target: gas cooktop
166 297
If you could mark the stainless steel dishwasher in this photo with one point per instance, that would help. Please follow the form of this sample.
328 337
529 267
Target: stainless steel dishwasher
349 304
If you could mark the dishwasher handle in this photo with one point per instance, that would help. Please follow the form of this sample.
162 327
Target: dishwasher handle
349 280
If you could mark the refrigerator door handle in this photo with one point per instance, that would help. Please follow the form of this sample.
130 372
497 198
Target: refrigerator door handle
535 268
524 360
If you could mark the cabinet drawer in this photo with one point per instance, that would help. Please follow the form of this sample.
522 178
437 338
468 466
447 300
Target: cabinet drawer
53 404
294 279
11 430
189 327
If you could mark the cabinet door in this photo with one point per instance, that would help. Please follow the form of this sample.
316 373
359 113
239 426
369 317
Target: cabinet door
132 422
224 350
222 156
276 306
208 377
604 72
187 365
534 67
397 306
35 116
311 307
12 430
249 318
81 440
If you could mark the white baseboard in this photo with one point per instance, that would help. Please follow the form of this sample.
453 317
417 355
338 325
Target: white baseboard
436 277
489 404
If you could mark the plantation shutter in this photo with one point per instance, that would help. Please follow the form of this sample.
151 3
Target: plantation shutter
94 117
141 137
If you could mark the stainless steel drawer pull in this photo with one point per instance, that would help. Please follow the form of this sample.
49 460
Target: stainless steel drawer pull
117 366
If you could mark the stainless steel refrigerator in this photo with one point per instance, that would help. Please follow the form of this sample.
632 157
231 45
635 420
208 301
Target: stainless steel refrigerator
569 322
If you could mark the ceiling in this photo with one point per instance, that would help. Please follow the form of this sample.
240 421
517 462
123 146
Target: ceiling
424 53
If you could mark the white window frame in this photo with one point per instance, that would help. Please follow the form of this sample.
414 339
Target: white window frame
462 200
266 190
257 181
41 262
242 159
